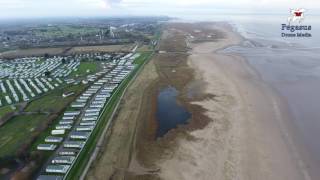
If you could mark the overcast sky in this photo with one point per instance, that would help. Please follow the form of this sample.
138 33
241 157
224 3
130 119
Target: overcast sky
83 8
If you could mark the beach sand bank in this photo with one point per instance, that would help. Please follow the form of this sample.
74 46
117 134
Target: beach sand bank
238 129
247 137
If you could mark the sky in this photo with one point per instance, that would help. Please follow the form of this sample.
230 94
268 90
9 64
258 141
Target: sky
91 8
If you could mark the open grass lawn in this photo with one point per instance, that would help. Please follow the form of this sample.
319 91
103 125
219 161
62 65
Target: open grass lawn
84 66
17 131
4 110
54 100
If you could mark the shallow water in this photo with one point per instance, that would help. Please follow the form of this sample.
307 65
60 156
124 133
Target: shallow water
169 113
292 68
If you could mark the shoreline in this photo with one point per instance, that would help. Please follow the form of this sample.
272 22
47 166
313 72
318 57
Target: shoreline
257 107
285 120
238 128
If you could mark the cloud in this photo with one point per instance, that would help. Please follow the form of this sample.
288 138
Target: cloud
41 8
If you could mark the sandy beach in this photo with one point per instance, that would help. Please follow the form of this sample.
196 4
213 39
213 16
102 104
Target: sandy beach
239 126
247 137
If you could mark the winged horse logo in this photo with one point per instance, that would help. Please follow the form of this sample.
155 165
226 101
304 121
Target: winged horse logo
296 15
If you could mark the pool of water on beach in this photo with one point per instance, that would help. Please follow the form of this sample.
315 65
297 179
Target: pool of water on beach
169 112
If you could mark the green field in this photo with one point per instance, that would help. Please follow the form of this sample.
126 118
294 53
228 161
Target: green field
17 131
84 66
4 110
54 100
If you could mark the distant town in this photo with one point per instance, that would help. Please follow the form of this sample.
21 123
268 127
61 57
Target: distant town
76 32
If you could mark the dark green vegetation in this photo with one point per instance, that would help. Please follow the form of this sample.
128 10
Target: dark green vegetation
86 152
4 110
17 131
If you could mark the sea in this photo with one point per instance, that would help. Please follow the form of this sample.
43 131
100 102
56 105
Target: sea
290 65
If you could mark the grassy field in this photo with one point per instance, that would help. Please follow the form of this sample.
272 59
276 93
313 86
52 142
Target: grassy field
4 110
84 66
16 132
54 100
84 156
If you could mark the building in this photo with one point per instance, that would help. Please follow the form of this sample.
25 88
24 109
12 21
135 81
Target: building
67 152
63 160
78 105
92 110
74 144
68 118
65 126
53 139
88 114
88 123
80 135
64 122
49 177
46 147
84 128
92 118
71 113
58 132
62 169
